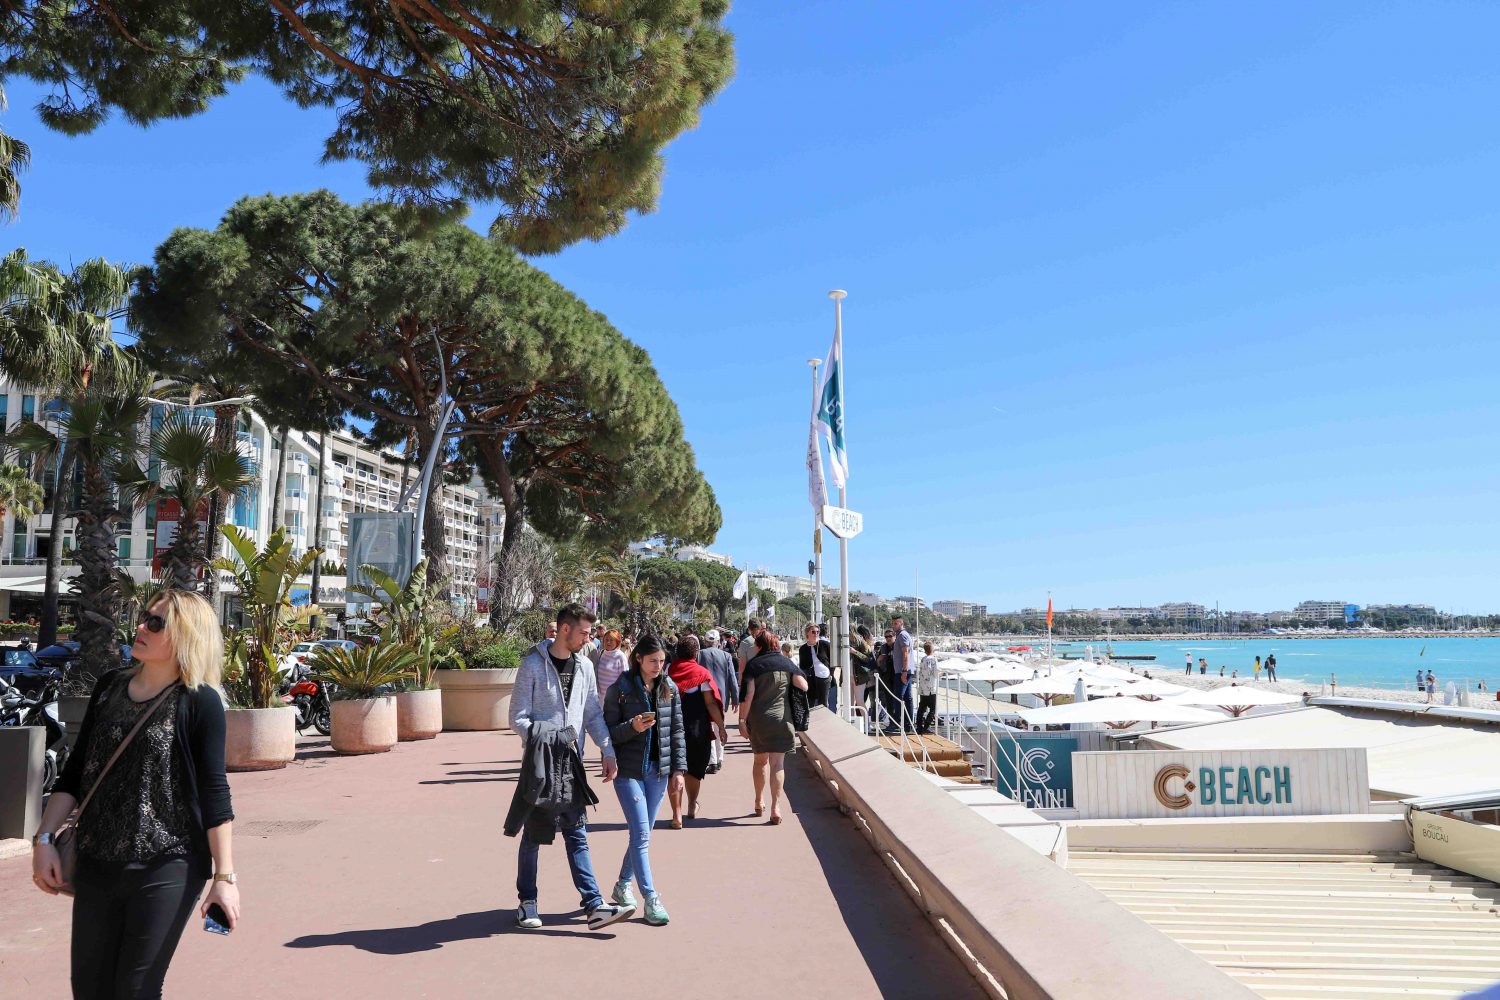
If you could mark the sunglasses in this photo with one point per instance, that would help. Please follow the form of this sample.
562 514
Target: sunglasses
153 623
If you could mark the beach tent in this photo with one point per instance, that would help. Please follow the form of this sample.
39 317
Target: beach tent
1238 698
1118 713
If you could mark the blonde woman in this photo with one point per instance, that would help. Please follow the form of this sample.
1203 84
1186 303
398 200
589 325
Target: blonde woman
159 823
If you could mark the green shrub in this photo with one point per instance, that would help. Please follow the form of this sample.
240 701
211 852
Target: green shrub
498 656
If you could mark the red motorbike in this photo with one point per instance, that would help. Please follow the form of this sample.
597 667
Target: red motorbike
309 696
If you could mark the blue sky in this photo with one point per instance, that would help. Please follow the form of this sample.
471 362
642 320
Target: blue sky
1146 302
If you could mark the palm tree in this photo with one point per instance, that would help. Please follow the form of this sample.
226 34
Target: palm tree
15 157
99 434
56 332
20 496
192 469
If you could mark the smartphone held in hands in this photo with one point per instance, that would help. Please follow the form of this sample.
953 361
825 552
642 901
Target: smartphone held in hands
217 921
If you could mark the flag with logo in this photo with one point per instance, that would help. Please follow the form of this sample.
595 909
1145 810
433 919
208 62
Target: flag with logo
831 410
742 585
817 489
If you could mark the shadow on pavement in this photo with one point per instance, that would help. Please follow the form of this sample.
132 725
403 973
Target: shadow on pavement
898 945
436 933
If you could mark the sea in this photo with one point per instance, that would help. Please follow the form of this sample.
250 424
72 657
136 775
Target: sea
1365 662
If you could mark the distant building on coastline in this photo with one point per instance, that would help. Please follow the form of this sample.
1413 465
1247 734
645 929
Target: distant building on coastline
959 609
1329 612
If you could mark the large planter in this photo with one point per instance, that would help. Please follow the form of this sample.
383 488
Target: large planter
70 712
419 715
364 725
259 739
476 700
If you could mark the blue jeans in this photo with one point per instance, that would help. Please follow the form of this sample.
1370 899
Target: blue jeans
576 842
640 798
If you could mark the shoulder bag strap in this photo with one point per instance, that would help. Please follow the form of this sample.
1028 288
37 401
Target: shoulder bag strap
139 724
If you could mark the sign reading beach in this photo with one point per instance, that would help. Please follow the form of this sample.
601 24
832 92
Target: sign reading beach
1144 784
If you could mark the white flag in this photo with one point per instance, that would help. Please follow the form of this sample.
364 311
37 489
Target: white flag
830 412
752 607
771 612
817 489
742 585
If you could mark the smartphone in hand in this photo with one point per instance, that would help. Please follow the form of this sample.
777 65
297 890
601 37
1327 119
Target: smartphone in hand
217 921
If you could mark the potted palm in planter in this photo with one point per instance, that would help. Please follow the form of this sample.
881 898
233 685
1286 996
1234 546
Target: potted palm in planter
364 714
405 618
259 731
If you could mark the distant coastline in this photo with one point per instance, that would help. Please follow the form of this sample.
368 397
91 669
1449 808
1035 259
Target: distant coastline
1218 636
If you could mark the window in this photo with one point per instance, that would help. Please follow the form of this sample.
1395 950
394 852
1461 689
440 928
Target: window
150 549
4 408
18 546
125 549
28 407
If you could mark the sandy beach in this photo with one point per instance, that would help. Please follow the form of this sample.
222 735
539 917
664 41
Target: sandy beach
1212 680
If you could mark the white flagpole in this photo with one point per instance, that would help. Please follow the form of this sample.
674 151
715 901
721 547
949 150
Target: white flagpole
817 601
846 707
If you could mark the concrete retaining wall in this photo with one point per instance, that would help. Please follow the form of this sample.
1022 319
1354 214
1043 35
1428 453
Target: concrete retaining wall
1027 928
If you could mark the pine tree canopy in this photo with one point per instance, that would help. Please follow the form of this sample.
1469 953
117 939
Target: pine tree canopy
558 110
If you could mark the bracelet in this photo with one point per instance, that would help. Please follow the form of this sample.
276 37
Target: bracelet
43 840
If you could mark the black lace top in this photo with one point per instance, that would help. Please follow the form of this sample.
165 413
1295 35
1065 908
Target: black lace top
142 811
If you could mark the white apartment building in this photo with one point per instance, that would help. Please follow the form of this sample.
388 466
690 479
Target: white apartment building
1182 610
959 609
777 585
358 479
1320 611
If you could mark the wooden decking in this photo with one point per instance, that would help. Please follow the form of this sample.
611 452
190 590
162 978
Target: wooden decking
933 754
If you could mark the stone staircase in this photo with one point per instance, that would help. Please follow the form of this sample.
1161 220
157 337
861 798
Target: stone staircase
942 757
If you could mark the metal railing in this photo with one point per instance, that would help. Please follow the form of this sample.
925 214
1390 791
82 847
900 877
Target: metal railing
919 755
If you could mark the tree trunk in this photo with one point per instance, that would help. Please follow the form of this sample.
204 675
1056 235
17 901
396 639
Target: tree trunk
503 582
185 554
98 589
434 536
280 482
317 519
47 630
224 417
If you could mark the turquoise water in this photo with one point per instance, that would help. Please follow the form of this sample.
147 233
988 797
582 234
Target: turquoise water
1387 663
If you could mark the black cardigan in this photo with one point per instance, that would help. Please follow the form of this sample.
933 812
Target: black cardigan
200 715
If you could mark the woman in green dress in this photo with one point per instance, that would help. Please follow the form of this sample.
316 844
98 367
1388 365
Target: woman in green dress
766 722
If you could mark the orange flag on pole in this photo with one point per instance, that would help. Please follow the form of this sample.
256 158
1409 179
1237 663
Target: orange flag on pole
1049 610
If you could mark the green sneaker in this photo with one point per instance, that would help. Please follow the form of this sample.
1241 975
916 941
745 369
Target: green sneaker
621 896
656 914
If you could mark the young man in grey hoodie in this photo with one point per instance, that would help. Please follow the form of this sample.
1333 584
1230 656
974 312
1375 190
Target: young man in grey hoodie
555 685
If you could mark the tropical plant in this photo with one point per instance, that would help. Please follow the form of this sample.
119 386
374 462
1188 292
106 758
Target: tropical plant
20 496
361 672
98 436
192 468
406 614
265 579
236 662
57 333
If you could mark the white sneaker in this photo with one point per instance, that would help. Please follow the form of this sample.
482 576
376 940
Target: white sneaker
526 915
603 916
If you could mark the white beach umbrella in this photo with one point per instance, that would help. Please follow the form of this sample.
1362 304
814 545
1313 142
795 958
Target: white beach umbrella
1118 713
997 673
1237 698
1143 687
1049 687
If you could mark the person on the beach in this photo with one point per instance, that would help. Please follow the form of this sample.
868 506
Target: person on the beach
1221 670
1431 686
1421 684
1257 667
1202 666
1189 662
1271 667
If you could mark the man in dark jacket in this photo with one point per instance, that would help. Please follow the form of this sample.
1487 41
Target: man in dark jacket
718 662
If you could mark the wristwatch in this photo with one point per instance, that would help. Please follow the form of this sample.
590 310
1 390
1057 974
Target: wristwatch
42 840
226 877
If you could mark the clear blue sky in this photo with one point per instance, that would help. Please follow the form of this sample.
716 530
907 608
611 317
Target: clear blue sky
1183 303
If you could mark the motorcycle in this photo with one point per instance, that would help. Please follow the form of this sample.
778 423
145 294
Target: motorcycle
40 709
309 696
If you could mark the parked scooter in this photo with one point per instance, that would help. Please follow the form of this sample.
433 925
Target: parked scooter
309 696
40 709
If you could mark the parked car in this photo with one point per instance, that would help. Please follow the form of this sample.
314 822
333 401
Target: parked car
21 668
299 654
60 656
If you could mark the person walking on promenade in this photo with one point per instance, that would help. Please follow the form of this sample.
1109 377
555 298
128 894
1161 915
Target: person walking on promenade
1257 667
149 768
553 693
720 664
813 657
644 713
905 664
766 720
746 649
927 680
612 662
1271 666
702 720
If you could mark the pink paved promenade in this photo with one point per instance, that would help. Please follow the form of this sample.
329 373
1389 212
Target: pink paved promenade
388 876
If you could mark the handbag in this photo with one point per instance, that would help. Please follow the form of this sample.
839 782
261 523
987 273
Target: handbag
797 707
66 839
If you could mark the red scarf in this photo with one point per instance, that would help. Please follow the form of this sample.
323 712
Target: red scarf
688 674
